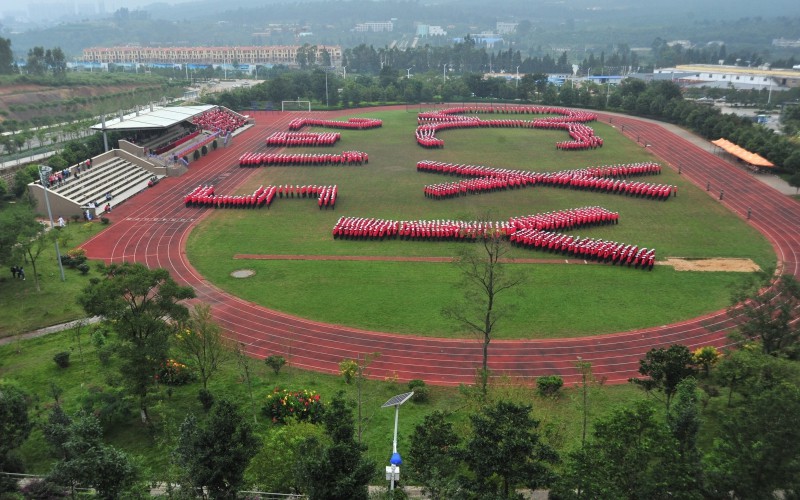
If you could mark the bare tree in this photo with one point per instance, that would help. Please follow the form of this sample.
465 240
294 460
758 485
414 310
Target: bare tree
484 278
202 341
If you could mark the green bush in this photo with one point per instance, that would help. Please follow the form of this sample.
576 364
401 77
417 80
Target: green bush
83 268
275 362
549 386
196 155
104 220
214 144
62 359
204 150
206 398
421 391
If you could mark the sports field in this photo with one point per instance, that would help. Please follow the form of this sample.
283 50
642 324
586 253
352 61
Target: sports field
557 300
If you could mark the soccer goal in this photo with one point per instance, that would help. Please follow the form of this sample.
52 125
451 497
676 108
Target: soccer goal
295 105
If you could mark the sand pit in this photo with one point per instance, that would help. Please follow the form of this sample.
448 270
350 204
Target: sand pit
712 265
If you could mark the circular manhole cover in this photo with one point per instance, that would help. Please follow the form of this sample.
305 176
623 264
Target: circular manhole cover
243 273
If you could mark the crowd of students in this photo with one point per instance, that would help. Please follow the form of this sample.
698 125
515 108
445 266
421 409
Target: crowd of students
429 123
219 119
370 228
565 114
304 159
609 179
533 231
204 196
593 249
58 179
294 139
350 124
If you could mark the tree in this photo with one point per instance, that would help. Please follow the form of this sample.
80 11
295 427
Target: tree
272 468
215 453
433 457
14 429
794 181
758 450
36 63
505 444
6 57
139 301
202 342
770 314
665 368
14 221
245 365
337 470
631 456
484 278
89 463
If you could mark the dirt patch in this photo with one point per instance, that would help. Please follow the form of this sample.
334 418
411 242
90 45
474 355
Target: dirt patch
715 265
243 273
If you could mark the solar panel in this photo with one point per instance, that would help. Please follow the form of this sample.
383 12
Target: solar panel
398 400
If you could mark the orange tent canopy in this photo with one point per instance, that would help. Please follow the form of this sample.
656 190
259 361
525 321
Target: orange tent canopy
743 154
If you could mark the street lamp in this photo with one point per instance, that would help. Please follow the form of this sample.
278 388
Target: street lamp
517 85
44 173
408 72
393 470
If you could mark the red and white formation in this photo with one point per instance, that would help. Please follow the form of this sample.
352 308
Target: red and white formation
286 160
294 139
204 196
570 120
610 252
602 178
350 124
326 195
531 231
198 193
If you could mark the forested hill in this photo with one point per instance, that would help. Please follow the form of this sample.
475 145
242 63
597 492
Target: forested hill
595 24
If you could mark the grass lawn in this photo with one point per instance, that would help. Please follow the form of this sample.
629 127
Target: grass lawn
408 297
29 365
24 309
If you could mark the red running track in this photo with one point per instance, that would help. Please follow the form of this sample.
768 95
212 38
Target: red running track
152 229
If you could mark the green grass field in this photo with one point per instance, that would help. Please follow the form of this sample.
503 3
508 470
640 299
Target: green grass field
556 301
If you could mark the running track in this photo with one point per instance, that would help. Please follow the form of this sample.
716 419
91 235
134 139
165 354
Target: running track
152 228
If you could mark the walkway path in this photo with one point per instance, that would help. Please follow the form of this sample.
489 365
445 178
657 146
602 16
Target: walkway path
153 227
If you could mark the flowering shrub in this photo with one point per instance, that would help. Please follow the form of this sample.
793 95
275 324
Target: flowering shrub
174 372
302 405
706 357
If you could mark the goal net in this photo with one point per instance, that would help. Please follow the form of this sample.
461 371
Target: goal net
295 105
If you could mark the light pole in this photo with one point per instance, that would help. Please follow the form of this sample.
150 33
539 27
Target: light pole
517 84
326 89
408 72
393 470
44 172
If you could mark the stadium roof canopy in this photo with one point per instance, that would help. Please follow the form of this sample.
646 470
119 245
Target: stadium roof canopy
158 118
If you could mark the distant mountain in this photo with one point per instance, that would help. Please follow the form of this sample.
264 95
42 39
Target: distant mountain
555 23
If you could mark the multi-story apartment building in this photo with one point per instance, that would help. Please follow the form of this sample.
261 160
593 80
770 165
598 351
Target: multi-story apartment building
283 54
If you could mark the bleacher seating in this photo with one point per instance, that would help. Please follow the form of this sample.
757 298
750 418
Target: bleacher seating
117 176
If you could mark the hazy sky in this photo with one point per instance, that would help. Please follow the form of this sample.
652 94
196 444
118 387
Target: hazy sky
110 5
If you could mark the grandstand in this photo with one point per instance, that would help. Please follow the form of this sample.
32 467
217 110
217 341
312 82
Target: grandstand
157 143
115 173
164 134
